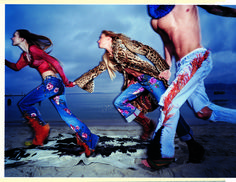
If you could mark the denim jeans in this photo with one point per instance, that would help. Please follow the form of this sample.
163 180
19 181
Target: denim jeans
53 89
157 88
199 99
191 71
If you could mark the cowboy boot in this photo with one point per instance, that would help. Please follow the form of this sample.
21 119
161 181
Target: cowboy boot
41 132
88 151
148 126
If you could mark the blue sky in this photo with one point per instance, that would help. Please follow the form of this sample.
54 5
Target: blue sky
75 29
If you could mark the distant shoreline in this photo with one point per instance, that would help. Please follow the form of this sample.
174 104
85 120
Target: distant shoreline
218 89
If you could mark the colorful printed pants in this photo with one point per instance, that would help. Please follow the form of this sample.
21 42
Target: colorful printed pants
191 71
122 102
157 88
53 89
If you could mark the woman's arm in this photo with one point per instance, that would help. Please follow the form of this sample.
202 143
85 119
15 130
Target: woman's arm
86 82
148 52
42 54
21 63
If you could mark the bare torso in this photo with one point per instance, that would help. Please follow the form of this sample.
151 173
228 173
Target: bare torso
48 73
44 74
179 30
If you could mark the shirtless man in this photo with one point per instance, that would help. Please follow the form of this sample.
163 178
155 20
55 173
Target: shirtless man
179 29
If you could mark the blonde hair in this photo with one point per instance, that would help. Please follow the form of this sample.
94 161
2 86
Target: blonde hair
110 66
109 63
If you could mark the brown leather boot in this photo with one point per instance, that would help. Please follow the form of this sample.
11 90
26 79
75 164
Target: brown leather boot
41 132
148 126
87 150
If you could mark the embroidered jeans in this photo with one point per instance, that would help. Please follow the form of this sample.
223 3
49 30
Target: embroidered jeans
53 89
191 71
122 102
157 88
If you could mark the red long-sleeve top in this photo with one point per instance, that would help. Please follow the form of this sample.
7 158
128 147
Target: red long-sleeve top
39 60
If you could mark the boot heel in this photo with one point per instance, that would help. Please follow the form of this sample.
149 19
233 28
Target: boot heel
46 139
41 132
88 152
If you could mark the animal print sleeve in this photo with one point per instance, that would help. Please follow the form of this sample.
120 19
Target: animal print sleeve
86 81
148 52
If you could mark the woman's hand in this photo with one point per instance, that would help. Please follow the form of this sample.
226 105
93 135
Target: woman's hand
70 84
165 74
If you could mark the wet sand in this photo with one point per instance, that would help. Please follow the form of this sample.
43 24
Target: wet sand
118 155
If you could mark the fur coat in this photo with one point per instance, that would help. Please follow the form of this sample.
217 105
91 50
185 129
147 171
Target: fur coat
125 56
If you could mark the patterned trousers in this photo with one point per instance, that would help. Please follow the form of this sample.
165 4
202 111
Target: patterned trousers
157 88
53 89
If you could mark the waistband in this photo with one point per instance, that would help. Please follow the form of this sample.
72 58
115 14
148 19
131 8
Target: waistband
190 56
50 77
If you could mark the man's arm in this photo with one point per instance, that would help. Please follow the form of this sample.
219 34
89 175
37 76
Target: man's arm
169 52
219 10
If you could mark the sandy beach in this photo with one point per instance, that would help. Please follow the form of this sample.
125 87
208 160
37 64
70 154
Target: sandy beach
118 154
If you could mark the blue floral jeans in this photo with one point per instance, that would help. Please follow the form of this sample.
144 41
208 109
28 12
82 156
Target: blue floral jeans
157 88
122 102
53 89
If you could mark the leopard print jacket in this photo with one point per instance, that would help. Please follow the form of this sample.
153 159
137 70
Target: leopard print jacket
125 56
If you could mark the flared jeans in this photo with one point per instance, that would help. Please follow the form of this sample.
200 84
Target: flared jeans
53 89
157 88
191 71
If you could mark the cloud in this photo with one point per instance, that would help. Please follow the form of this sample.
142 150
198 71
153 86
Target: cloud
217 32
75 29
223 68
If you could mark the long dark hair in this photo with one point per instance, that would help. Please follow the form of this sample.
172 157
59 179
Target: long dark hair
41 41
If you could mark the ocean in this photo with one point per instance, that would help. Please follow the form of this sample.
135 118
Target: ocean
98 108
